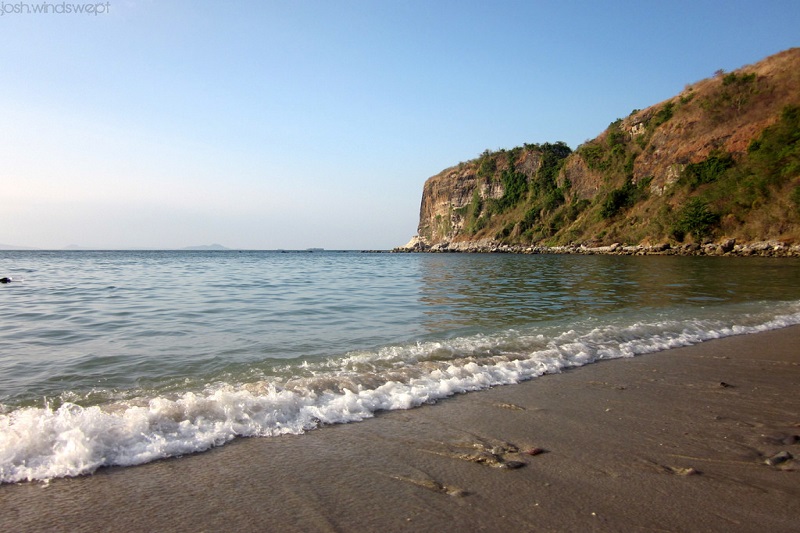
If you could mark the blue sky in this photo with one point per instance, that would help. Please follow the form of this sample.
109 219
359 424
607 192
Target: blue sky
294 124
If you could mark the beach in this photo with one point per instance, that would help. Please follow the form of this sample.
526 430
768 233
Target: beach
678 440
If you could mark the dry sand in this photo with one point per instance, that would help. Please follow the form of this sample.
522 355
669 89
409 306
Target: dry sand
674 441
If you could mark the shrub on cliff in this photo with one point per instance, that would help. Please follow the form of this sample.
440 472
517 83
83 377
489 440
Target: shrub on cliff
732 96
776 152
663 114
708 170
795 198
695 218
623 197
487 165
515 188
770 165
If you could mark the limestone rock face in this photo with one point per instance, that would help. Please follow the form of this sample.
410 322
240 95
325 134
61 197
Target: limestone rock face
445 195
584 182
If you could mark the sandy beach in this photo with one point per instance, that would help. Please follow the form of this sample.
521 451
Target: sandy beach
681 440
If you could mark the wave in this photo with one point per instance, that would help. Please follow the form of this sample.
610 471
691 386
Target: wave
40 443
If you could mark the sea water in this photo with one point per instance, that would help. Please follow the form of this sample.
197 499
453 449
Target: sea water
125 357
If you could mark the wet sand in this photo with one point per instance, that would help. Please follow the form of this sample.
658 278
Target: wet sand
674 441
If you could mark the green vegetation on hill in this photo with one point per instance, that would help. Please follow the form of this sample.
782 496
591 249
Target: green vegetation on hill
712 198
534 195
769 173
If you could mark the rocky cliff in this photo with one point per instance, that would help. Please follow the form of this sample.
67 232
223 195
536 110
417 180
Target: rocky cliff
718 162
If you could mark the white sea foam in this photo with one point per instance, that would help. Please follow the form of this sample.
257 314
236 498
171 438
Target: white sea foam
43 443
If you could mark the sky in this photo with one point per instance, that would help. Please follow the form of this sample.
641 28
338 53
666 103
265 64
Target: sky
294 124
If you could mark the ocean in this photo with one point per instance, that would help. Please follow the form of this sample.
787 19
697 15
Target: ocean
126 357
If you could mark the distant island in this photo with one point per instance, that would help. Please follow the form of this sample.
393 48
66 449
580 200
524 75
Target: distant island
206 247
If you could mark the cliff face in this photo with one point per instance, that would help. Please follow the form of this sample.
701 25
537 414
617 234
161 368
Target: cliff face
448 196
721 160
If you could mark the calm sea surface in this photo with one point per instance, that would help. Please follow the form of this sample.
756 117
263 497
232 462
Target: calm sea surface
120 358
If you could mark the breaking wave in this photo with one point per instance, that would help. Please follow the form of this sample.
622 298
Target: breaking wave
39 443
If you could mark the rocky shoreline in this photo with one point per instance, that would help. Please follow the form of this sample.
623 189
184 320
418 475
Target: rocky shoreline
728 247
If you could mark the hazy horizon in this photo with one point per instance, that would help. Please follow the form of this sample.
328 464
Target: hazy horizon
197 247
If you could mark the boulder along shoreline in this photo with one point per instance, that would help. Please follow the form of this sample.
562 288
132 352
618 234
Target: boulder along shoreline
725 248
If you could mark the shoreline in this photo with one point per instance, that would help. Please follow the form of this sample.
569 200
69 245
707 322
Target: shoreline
726 248
677 440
